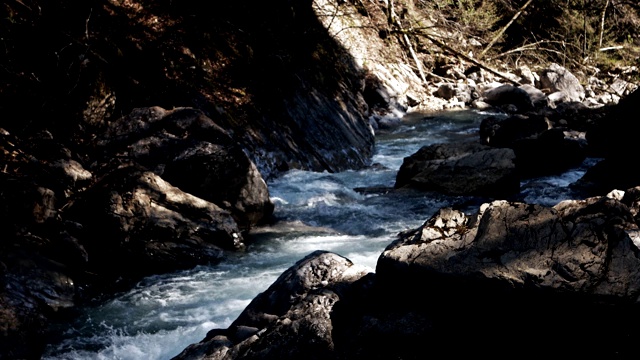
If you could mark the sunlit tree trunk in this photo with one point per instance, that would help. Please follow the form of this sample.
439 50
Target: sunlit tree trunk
604 12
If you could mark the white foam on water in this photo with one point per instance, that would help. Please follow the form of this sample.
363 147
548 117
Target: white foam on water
164 314
550 190
120 345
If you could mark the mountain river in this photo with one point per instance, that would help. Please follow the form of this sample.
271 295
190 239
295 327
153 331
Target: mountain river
163 314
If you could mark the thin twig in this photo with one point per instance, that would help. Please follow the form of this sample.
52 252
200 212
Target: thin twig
86 25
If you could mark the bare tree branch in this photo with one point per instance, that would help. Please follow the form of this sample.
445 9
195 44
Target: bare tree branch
493 41
466 58
394 23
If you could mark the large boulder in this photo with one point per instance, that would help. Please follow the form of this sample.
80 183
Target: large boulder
189 150
69 234
504 95
513 269
561 85
134 223
586 247
552 152
498 131
292 319
540 148
465 168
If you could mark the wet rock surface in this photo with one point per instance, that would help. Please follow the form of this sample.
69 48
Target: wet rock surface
488 283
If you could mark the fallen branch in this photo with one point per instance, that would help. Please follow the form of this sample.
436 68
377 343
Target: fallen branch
466 58
528 47
611 48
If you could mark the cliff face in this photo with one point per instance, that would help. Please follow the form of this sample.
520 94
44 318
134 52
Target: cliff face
268 73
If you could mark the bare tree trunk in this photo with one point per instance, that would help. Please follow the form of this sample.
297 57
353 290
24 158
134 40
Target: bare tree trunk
584 29
394 23
604 12
504 29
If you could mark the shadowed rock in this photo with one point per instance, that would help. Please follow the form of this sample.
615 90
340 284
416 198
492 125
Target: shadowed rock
616 135
292 319
467 168
510 279
144 225
189 150
586 247
504 95
504 132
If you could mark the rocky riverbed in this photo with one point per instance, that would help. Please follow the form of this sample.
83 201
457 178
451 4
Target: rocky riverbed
135 151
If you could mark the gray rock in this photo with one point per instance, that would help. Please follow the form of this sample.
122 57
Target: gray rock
556 78
575 246
509 95
446 91
467 168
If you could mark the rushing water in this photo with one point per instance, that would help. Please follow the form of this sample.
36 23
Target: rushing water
316 211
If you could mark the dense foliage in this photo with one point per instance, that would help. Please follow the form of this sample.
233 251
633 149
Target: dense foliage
575 33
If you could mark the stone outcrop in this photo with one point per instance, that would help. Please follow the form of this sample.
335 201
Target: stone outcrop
149 226
70 234
485 284
578 246
189 150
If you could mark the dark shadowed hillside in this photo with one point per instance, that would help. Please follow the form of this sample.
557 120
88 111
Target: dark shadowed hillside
72 66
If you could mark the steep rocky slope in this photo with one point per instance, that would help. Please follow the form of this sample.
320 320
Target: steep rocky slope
270 74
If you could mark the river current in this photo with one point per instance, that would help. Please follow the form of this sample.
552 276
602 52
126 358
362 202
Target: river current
349 213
